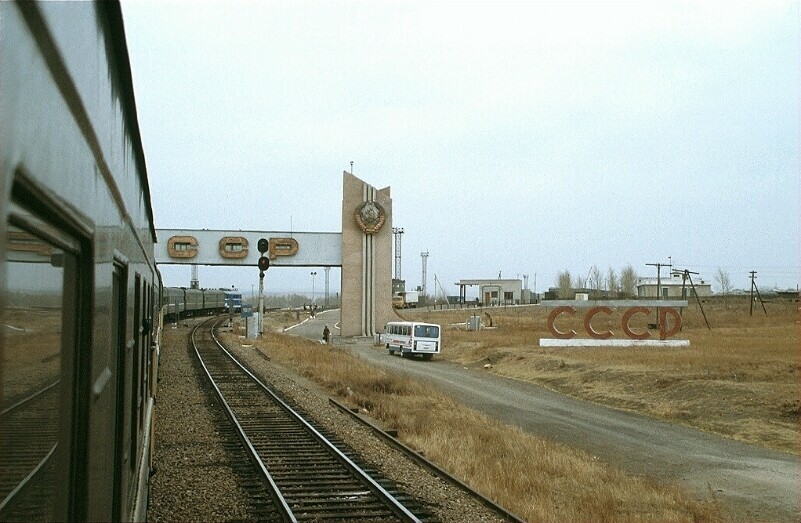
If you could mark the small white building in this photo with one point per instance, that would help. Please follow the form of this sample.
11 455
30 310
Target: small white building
494 292
672 288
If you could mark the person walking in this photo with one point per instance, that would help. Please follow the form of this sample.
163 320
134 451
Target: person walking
326 334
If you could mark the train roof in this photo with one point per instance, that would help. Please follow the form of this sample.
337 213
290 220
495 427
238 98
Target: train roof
111 13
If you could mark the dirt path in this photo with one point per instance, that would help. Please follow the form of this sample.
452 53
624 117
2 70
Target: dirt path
753 483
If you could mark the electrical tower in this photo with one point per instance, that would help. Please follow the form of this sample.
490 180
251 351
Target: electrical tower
398 232
424 255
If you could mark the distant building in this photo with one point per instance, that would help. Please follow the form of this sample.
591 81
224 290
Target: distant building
789 294
494 292
577 293
672 288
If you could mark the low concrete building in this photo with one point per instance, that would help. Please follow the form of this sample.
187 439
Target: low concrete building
672 288
494 292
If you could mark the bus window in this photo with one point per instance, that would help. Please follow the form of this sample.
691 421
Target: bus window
426 331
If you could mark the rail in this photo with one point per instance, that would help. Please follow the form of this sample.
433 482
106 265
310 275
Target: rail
308 476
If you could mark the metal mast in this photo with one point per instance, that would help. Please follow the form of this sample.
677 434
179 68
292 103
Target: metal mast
424 255
194 283
398 232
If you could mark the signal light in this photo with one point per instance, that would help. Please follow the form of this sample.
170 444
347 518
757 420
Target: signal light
263 245
264 263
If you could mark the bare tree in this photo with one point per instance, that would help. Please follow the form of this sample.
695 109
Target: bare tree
628 282
564 284
612 283
722 277
596 281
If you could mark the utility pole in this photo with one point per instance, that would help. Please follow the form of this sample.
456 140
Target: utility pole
424 255
327 275
755 288
658 285
686 275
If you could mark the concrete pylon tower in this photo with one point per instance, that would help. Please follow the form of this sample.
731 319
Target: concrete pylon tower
366 258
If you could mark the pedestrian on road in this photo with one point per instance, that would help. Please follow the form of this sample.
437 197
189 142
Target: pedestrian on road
326 334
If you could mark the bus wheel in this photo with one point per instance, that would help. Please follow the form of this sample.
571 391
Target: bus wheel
391 350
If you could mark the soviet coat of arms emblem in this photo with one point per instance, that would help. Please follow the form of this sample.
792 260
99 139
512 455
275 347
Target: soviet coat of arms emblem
370 217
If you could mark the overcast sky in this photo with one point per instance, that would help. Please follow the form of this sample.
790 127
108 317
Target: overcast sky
519 138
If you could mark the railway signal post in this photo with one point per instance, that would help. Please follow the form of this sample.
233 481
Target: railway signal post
264 264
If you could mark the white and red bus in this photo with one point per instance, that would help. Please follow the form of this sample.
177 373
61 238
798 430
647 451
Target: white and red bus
412 337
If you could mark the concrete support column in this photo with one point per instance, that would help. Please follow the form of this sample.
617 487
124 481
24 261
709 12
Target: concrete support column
366 258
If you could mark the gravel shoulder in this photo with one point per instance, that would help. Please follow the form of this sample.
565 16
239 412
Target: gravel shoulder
193 480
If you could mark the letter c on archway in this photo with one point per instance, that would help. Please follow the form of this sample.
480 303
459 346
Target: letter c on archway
552 318
588 323
625 323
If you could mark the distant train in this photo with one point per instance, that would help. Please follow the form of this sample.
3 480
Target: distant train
180 302
79 287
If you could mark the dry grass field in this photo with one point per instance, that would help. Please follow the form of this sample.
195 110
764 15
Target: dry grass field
538 480
739 379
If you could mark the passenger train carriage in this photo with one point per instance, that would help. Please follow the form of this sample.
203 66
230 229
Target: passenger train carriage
79 288
180 302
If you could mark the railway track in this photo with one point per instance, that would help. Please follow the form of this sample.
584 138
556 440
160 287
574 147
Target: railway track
306 476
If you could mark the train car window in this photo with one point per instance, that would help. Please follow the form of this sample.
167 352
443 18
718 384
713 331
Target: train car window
137 329
143 340
119 301
38 377
156 328
148 339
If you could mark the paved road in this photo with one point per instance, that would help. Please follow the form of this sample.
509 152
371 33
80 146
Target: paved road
753 482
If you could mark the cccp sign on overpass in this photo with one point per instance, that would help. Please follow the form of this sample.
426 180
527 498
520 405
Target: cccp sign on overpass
363 249
286 249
